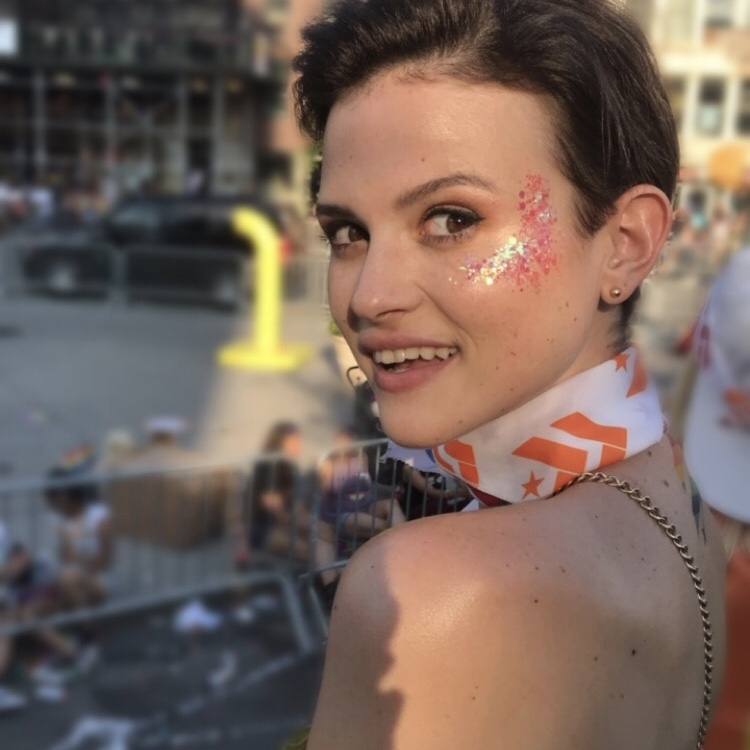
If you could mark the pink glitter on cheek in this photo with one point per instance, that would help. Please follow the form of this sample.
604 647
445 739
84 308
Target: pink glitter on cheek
525 257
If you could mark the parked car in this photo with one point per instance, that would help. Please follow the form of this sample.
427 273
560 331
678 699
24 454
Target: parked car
62 254
175 247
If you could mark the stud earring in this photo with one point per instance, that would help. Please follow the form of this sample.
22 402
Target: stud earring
616 292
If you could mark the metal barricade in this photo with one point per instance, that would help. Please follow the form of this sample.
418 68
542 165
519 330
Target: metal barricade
183 531
164 273
174 532
360 493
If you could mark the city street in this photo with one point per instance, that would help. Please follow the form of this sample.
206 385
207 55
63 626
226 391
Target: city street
71 370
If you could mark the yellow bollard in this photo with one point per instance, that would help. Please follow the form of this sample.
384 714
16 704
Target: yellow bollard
265 350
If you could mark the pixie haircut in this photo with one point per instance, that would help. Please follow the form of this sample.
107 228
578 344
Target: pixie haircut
587 58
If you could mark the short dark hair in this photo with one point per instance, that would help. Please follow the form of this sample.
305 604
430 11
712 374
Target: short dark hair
280 431
588 58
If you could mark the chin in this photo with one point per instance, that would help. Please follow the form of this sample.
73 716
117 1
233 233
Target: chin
418 432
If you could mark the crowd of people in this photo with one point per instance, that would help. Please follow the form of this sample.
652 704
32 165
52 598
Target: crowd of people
34 586
285 513
321 517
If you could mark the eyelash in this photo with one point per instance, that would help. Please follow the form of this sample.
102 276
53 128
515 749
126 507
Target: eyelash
452 211
329 232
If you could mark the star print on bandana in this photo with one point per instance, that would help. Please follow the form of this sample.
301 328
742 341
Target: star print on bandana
595 419
532 486
621 360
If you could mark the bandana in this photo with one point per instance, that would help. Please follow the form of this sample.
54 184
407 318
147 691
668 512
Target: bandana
596 418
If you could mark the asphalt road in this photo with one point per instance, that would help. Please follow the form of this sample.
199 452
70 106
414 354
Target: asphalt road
72 370
244 687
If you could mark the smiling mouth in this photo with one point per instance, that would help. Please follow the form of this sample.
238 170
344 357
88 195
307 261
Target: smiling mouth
404 360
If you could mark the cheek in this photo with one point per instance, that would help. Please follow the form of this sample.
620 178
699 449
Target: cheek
523 258
525 325
340 290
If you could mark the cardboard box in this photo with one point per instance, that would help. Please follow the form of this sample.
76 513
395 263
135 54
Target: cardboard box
168 502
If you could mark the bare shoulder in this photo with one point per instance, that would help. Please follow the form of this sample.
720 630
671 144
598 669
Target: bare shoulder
455 631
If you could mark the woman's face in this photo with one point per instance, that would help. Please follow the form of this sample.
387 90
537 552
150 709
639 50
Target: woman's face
454 240
291 445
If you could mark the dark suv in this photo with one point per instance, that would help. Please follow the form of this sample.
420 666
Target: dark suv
175 247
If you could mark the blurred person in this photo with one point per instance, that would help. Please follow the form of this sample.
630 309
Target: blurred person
165 430
424 495
28 590
278 519
118 448
10 700
349 499
721 237
497 183
717 450
86 541
42 201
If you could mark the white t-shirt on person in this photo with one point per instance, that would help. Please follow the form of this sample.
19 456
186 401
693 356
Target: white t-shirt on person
82 533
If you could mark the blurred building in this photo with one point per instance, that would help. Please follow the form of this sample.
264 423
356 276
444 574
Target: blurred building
134 95
289 154
703 47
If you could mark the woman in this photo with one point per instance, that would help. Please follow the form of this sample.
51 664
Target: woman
497 178
85 533
274 522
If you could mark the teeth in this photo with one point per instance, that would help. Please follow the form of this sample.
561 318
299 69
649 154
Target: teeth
427 353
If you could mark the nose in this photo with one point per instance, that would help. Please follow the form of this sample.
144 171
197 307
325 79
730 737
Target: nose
387 283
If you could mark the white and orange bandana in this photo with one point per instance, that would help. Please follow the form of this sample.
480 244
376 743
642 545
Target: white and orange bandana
596 418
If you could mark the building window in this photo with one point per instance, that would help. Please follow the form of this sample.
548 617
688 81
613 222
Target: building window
711 106
719 13
676 88
743 116
678 20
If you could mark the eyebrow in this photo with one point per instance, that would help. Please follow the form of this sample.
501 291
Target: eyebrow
427 188
333 210
411 196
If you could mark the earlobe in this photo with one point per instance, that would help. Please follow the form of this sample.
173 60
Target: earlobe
639 229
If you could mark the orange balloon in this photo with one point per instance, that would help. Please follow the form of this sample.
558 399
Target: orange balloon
729 166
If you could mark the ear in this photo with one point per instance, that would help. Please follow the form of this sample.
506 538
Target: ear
637 230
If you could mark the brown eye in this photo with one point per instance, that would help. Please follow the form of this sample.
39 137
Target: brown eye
445 223
347 234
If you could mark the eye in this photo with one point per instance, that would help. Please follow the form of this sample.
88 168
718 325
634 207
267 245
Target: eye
446 223
343 235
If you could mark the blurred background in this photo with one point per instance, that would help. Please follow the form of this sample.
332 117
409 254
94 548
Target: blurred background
130 132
